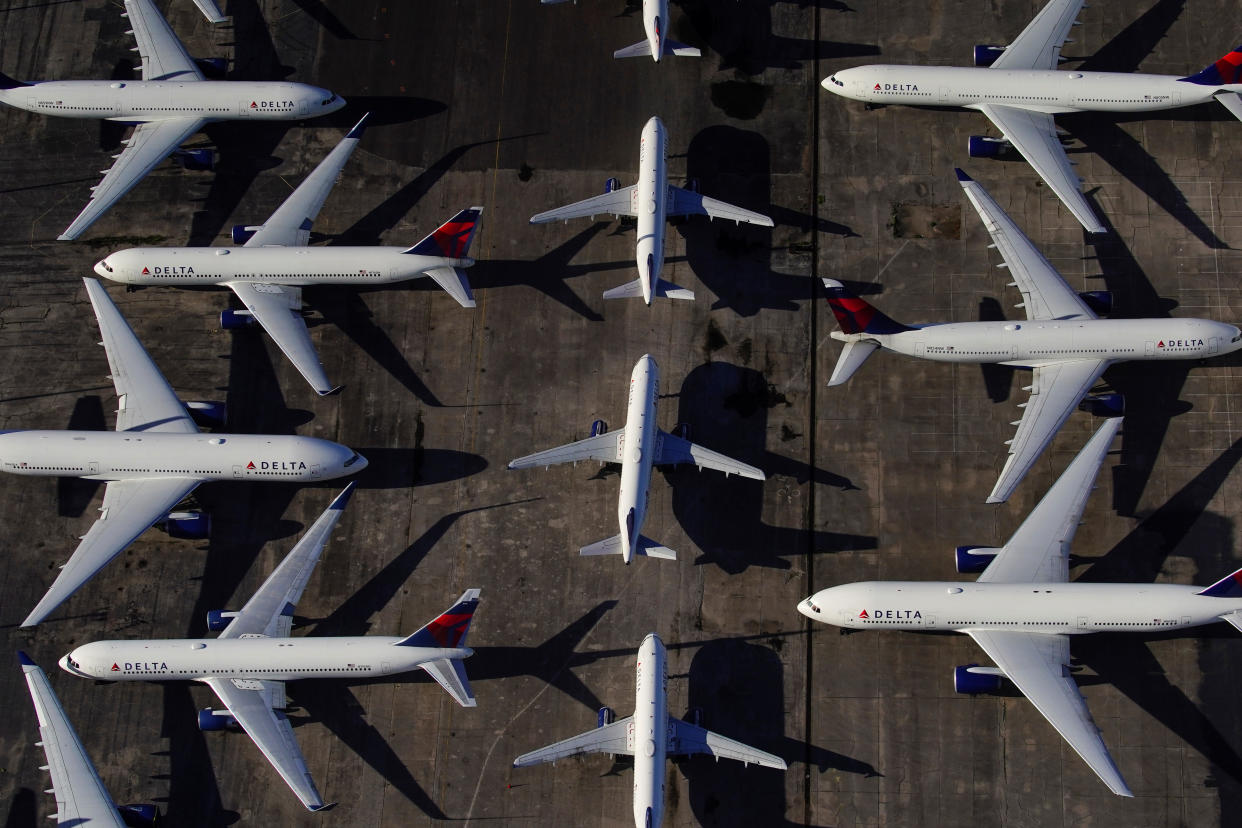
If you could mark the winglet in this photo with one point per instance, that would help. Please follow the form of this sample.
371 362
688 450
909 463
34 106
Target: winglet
961 175
25 660
342 500
359 127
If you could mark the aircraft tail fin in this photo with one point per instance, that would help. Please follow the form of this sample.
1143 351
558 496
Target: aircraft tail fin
455 284
852 357
448 629
1227 69
854 315
451 240
646 546
1229 586
10 83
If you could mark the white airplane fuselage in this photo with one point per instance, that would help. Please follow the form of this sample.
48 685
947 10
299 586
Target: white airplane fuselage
648 735
139 101
271 659
655 24
121 455
1052 608
1031 341
638 446
1052 91
201 266
652 195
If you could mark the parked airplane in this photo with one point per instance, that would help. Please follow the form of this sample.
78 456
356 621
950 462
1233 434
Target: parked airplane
655 24
248 665
650 735
81 798
647 446
1064 343
155 458
268 276
1022 609
1020 90
169 104
651 200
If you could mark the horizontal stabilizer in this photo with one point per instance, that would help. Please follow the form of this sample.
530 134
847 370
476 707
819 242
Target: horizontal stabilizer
450 673
646 546
853 355
634 290
630 290
640 49
672 47
1233 618
1231 101
454 282
668 290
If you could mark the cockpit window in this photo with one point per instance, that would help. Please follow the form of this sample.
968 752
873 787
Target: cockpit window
1236 338
104 264
354 459
833 78
329 100
72 663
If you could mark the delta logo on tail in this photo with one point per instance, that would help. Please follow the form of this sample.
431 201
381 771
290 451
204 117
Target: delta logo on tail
1227 69
449 629
450 240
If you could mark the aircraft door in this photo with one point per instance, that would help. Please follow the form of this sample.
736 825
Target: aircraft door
919 349
1149 348
385 667
1082 622
237 473
1213 345
92 467
1185 620
316 471
929 620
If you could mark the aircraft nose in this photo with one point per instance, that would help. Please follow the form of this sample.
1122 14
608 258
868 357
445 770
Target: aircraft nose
355 463
811 609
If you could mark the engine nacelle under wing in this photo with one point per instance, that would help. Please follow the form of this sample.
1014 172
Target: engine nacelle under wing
985 55
217 620
242 232
974 558
139 815
1104 405
1100 301
208 413
209 720
605 717
972 679
235 320
188 525
981 146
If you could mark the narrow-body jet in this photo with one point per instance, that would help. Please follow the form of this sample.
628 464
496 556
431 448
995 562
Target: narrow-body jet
655 25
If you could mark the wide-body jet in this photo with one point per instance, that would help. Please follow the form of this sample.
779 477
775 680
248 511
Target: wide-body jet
154 458
170 103
1065 345
650 735
638 447
651 201
248 664
1022 610
1019 89
275 262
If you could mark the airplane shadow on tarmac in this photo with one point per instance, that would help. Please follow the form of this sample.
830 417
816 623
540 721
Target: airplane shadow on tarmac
726 407
739 688
733 260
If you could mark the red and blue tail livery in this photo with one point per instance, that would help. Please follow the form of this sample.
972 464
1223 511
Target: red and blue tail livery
1229 586
448 630
856 316
451 240
1226 70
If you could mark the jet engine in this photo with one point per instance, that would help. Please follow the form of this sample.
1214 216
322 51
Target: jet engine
599 427
207 413
986 55
682 430
973 679
974 558
189 525
201 160
217 620
215 68
1104 405
209 719
612 185
692 184
695 716
235 320
141 815
241 233
1100 301
605 717
981 146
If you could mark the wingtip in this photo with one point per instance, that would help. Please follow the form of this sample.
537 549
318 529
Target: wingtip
342 500
359 127
331 392
994 499
831 284
25 660
961 175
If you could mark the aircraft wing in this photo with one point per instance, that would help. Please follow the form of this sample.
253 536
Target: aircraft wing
129 509
81 798
689 203
613 738
1034 135
269 612
210 11
278 309
149 144
604 447
674 450
290 225
617 203
1039 45
1056 390
163 56
145 401
687 739
250 702
1039 551
1039 666
1045 294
